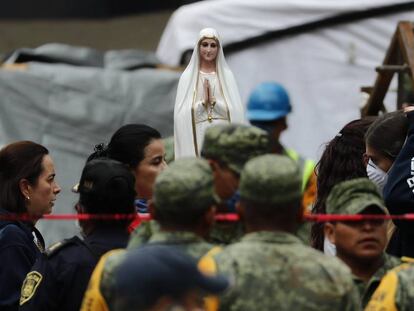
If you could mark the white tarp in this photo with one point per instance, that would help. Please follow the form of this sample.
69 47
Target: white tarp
323 70
69 109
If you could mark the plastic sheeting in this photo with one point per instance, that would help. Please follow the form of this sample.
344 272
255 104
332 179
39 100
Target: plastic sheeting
69 109
323 69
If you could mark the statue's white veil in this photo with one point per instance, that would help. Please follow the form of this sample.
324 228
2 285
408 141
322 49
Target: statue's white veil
184 136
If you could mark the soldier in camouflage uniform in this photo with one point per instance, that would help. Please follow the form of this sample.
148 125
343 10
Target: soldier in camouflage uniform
162 278
227 148
183 205
360 244
272 269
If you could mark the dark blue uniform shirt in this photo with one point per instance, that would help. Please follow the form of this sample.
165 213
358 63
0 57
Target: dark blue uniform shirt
18 253
399 195
59 277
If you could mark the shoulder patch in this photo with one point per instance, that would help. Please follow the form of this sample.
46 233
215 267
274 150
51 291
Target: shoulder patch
30 284
55 248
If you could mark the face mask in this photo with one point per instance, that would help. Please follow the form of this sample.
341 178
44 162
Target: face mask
376 175
328 247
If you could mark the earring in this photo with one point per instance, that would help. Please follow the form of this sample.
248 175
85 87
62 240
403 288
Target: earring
28 198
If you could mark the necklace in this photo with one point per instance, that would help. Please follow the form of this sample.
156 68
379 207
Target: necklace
209 109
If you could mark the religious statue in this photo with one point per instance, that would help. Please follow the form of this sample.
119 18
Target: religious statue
207 95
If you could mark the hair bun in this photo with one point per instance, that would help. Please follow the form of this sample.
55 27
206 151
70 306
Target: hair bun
100 149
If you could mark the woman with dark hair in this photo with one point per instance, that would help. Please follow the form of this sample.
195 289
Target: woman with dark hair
141 148
389 156
341 160
27 188
106 187
384 140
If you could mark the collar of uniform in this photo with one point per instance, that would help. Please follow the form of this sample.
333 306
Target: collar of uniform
389 262
367 289
175 237
279 237
115 236
27 227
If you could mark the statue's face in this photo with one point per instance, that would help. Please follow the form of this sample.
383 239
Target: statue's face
208 49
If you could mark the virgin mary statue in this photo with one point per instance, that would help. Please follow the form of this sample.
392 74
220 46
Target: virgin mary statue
207 95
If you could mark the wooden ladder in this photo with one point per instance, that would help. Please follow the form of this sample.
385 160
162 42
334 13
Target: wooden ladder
398 59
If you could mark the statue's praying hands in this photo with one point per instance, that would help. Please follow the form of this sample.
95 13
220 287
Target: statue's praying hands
207 94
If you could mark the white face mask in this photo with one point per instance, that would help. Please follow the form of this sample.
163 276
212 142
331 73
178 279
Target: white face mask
328 247
376 175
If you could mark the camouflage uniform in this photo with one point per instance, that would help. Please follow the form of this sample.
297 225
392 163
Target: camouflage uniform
366 290
232 145
273 270
143 233
187 242
352 197
186 185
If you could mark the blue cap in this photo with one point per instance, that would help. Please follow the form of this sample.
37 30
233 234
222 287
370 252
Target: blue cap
154 271
268 101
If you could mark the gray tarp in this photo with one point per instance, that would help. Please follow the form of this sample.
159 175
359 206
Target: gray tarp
70 108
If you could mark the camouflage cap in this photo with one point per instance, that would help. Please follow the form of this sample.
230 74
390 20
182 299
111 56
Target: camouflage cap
169 149
271 179
187 184
234 144
353 196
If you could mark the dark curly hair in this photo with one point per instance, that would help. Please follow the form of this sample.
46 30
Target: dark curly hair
341 160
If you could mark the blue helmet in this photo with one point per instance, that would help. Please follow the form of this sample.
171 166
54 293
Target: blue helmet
268 101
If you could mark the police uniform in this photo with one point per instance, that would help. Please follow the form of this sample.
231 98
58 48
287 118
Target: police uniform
62 273
59 278
273 270
185 185
20 245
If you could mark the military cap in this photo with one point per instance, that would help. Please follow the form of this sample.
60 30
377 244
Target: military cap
353 196
186 184
154 271
234 144
169 148
271 179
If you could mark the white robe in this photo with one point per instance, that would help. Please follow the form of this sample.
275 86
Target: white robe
189 112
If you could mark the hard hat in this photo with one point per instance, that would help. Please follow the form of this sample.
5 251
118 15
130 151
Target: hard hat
268 101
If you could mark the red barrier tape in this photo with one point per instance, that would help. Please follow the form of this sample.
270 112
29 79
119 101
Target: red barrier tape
219 217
